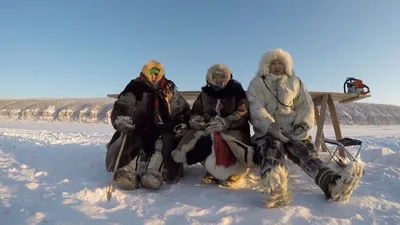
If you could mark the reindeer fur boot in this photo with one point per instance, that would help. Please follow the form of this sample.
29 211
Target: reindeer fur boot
276 187
338 186
127 177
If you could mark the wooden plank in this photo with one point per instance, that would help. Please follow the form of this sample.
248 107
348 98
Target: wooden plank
354 99
321 122
323 145
335 123
340 97
317 101
112 95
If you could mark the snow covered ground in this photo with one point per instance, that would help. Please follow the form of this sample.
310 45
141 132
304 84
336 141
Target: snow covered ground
53 173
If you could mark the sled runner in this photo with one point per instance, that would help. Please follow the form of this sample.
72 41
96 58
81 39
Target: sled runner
342 144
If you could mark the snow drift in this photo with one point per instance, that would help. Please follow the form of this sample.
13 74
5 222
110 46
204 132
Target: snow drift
54 173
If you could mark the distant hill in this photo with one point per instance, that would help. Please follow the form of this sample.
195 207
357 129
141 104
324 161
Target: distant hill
97 110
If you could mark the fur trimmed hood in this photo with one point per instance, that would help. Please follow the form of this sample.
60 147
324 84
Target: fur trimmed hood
218 68
153 65
269 56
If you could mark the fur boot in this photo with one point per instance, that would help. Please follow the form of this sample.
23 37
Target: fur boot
276 187
127 177
151 178
209 179
230 181
339 186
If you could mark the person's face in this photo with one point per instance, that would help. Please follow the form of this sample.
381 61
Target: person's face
277 68
153 75
219 79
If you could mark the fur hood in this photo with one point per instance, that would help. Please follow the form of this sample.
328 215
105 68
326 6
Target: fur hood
218 68
153 65
269 56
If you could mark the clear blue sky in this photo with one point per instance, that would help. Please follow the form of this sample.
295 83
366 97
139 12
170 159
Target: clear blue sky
90 48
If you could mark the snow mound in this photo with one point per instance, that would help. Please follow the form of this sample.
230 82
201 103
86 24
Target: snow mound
384 156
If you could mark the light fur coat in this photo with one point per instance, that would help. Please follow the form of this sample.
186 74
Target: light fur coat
264 107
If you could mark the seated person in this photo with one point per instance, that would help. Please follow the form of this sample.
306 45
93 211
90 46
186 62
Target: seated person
282 113
153 114
219 134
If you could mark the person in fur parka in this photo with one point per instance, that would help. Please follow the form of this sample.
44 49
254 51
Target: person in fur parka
282 113
154 115
219 129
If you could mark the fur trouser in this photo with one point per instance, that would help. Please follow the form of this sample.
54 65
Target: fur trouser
302 154
174 170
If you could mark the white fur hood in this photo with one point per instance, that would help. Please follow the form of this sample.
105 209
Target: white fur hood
269 56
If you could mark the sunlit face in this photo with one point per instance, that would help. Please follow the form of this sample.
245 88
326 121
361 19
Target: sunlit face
153 75
219 80
276 67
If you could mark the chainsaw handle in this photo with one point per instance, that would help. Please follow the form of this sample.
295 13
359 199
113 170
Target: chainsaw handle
346 83
366 92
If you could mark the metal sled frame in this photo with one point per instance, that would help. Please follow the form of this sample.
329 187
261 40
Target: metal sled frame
342 144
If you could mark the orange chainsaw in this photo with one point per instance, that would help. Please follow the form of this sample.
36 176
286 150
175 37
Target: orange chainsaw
355 86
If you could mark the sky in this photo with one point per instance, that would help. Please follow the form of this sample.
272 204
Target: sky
91 48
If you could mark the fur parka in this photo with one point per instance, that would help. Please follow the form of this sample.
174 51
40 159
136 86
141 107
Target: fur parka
283 100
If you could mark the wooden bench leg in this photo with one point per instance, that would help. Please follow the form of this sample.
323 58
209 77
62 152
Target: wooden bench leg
320 121
323 145
335 123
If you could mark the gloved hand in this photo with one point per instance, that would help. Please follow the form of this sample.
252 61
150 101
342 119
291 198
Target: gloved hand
124 124
216 124
124 106
180 129
197 123
276 133
299 132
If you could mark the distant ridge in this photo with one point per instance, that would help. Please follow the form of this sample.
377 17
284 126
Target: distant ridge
98 110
